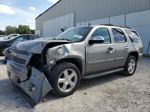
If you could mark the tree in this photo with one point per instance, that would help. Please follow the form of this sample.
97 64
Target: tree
24 29
33 31
2 32
10 30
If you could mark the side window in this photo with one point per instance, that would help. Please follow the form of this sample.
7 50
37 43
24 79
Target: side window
119 36
26 37
20 38
104 33
133 36
32 37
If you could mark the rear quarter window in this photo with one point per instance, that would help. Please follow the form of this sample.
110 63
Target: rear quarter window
133 36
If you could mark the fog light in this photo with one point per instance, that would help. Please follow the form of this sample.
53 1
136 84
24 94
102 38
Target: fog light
32 87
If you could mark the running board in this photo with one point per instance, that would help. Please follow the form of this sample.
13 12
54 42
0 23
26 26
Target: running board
101 73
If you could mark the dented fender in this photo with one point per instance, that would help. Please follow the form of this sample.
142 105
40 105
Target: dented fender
66 51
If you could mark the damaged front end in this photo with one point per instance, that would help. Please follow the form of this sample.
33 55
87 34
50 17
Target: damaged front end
36 87
32 81
27 69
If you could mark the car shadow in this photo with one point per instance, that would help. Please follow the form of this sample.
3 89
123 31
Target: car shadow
88 83
14 98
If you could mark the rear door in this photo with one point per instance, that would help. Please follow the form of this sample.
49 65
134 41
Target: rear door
121 47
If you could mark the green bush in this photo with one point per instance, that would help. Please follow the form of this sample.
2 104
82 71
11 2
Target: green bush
21 29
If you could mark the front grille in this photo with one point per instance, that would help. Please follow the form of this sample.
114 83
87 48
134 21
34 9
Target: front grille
20 52
18 60
15 58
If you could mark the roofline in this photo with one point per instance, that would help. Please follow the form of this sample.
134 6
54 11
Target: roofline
48 9
107 25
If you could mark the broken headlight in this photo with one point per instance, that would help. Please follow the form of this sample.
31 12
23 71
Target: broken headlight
60 51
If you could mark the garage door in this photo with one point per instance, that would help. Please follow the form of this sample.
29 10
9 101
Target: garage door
52 27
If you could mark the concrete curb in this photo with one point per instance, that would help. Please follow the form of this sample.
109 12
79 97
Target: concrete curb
146 55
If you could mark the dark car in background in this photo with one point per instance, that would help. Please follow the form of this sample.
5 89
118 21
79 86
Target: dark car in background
8 36
2 35
7 41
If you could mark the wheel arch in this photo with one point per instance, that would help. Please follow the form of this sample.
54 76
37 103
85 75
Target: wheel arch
134 54
76 61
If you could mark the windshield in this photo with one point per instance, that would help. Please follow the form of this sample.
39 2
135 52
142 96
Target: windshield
75 34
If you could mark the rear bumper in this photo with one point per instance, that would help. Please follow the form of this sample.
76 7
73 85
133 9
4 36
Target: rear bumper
36 86
140 56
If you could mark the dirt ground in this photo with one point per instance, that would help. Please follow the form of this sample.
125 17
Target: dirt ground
111 93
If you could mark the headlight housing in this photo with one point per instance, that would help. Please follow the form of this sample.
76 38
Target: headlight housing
60 51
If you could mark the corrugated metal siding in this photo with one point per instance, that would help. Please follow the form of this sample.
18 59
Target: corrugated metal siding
92 9
52 27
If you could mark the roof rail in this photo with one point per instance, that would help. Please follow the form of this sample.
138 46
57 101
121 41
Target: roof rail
116 25
128 27
108 24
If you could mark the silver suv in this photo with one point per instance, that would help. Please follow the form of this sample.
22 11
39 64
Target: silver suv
58 64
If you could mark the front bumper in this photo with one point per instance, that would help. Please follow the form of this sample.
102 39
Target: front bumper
2 49
36 86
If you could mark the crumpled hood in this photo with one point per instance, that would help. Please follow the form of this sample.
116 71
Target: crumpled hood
37 46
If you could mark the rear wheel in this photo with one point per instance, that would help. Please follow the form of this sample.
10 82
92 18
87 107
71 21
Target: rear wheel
64 78
130 66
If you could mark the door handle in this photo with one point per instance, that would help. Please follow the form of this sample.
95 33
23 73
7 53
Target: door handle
126 47
110 50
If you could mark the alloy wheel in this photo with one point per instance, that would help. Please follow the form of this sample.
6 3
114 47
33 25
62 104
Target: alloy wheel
67 80
131 66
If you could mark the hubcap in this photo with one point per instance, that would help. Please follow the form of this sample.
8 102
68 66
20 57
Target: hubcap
67 80
131 66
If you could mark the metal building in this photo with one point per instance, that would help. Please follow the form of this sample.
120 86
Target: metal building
69 13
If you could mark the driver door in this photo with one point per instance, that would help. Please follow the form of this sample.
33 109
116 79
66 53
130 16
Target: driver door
100 56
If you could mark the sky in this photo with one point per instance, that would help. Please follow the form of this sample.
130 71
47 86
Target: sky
15 12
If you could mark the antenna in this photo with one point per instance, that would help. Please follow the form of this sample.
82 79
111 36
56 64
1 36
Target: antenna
89 24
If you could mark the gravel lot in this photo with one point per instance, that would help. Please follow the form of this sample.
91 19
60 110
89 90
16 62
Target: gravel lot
112 93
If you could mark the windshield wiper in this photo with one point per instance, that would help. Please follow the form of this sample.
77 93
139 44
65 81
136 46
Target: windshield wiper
64 39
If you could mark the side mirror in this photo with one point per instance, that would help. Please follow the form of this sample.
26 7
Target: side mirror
96 39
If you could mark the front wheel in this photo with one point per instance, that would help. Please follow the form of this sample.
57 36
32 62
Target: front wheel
130 66
64 78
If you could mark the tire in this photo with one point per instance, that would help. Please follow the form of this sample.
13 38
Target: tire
1 51
130 66
1 54
59 80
